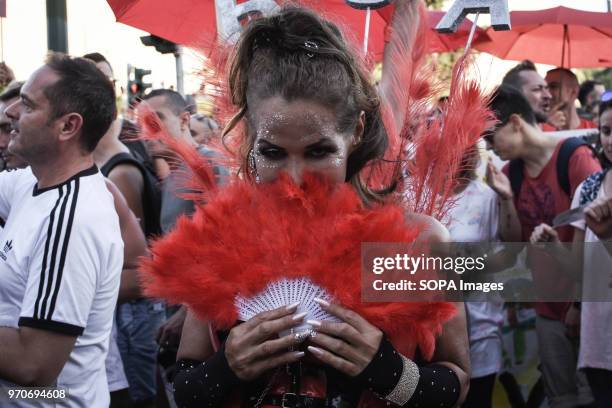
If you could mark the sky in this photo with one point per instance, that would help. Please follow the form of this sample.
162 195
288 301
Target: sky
92 27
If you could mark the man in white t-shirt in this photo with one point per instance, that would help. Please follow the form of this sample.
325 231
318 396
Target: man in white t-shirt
61 251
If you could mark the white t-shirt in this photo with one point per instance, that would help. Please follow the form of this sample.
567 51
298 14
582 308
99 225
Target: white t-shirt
61 256
474 218
595 317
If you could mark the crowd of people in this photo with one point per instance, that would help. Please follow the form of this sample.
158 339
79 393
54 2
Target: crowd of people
82 196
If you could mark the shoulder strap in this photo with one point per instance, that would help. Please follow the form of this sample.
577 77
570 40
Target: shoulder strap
151 194
568 147
515 171
120 158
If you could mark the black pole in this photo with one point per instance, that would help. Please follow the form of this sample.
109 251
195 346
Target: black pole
57 28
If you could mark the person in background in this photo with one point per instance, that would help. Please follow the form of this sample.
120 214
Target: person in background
525 78
595 355
539 195
62 248
7 98
6 75
137 319
564 88
203 128
173 111
589 96
483 214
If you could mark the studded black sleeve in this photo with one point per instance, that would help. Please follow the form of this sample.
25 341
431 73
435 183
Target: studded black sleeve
204 384
438 386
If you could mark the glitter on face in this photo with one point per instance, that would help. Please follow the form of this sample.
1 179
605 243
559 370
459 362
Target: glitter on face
338 161
297 137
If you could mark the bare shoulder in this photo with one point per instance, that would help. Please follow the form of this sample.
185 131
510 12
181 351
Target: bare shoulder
126 173
432 231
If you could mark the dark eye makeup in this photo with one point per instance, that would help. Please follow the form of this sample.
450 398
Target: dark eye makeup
315 151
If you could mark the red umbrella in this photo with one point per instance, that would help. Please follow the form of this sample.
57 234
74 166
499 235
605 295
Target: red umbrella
193 22
558 36
443 42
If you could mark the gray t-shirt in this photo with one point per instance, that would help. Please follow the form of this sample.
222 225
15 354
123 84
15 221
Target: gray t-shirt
173 206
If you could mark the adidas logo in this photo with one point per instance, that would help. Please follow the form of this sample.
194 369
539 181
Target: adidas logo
8 245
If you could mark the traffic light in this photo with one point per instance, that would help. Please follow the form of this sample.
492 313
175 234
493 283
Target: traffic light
136 86
161 45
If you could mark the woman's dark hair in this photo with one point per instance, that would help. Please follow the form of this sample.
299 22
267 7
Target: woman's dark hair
296 54
605 162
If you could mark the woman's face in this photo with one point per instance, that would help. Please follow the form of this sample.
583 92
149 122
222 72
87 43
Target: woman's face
605 132
298 137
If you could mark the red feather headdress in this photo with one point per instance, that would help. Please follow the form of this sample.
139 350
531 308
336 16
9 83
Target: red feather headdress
248 235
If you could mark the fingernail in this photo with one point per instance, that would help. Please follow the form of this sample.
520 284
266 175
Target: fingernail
314 323
315 350
293 306
299 316
299 354
321 302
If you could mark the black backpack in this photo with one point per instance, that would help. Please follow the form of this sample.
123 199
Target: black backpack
151 200
568 147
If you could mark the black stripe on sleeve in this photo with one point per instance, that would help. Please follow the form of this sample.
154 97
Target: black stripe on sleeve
60 269
50 325
56 241
46 254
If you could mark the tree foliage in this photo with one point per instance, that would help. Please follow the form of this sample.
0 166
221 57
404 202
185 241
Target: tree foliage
434 4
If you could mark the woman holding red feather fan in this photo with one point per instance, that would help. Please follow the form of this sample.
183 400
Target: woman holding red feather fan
313 127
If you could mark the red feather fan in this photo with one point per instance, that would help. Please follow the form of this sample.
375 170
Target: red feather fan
251 235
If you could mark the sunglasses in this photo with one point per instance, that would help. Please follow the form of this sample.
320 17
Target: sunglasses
607 96
488 134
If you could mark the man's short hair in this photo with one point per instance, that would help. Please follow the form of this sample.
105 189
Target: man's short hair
506 101
96 57
513 77
175 101
83 89
585 89
11 91
564 71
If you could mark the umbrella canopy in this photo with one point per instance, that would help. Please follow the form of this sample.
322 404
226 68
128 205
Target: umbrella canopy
558 36
193 22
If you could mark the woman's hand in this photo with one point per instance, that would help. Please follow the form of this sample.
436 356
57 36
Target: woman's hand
348 346
253 347
544 233
598 216
498 181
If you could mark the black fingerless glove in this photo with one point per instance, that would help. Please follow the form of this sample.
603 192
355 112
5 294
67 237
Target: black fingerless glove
397 379
204 384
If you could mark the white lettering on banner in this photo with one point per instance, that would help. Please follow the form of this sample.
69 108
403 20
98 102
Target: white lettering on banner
500 17
231 15
368 4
